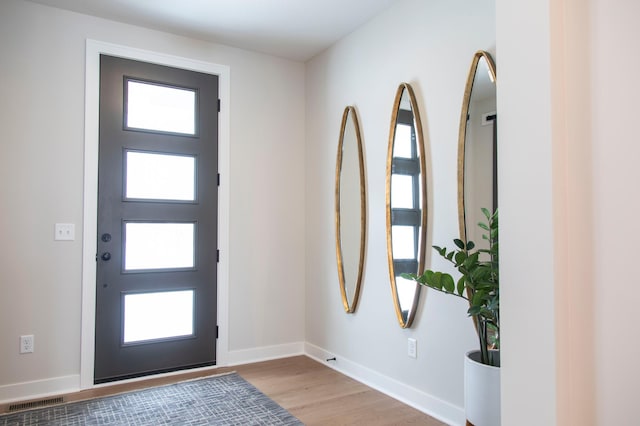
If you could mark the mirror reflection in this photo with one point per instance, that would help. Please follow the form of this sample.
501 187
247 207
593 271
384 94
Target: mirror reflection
405 203
477 148
350 209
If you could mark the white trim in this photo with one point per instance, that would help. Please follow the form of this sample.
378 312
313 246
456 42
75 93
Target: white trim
38 389
435 407
92 79
265 353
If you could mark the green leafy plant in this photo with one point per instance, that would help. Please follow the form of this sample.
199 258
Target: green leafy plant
479 283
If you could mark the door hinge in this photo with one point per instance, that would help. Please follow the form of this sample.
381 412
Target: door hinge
217 332
218 105
218 256
218 179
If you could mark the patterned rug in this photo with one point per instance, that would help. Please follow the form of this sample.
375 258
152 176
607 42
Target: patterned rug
217 400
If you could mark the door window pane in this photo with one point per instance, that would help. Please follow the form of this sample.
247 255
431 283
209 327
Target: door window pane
153 245
160 108
162 315
160 176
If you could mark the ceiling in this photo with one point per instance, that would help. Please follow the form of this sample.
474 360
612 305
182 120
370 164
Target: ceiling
292 29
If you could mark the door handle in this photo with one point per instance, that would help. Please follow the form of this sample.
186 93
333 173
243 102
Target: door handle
106 256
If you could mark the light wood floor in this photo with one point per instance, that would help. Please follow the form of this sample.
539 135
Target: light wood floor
318 395
314 393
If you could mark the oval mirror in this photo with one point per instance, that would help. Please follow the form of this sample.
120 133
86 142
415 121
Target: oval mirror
351 207
406 200
477 148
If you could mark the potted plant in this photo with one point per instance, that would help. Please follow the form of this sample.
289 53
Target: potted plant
479 284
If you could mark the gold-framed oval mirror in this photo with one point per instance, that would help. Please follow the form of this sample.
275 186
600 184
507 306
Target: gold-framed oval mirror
477 148
351 208
406 203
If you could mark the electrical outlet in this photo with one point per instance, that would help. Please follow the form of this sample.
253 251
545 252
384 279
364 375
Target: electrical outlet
412 348
26 344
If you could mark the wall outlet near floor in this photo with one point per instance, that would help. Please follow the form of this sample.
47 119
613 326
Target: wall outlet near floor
26 344
412 348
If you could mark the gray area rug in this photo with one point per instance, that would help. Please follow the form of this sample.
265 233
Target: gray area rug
218 400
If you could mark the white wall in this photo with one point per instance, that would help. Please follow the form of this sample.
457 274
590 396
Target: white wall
528 351
615 90
42 56
429 45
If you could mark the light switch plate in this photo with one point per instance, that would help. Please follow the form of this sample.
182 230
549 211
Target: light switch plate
65 232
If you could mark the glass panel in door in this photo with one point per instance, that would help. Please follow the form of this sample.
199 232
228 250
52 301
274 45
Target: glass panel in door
159 176
158 315
159 107
157 246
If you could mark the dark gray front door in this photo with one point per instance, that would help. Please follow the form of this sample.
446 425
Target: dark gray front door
157 220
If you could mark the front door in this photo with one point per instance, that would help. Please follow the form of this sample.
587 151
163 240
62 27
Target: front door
157 220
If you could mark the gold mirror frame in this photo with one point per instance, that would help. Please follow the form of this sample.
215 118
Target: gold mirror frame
350 117
462 135
405 87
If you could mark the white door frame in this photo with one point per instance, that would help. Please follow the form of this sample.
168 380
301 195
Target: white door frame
90 209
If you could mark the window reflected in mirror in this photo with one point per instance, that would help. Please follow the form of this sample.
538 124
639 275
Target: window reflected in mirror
406 209
404 242
402 147
402 192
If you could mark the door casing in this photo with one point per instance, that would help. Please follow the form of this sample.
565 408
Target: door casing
92 67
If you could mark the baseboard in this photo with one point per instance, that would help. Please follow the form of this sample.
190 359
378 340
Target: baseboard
428 404
39 388
264 353
68 384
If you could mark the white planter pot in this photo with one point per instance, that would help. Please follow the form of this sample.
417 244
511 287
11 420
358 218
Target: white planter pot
481 391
